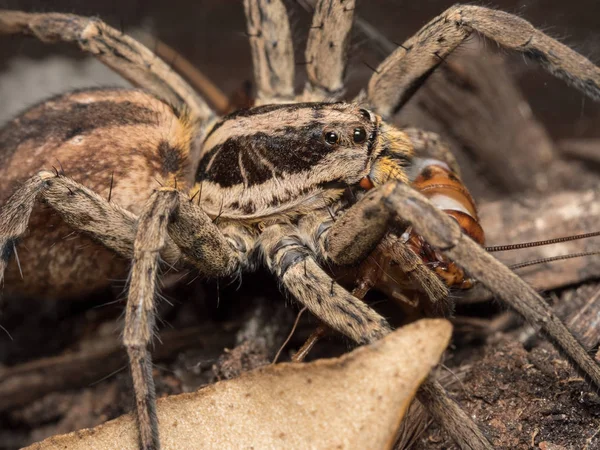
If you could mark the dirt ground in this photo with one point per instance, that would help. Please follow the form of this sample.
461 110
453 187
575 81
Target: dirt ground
63 369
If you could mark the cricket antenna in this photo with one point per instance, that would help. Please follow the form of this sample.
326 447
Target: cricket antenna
551 259
502 248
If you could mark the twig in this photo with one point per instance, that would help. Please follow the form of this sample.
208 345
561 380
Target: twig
24 383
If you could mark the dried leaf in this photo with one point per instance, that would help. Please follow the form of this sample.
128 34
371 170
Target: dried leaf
353 402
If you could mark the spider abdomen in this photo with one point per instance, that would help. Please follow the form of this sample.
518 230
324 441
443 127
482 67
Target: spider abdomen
118 142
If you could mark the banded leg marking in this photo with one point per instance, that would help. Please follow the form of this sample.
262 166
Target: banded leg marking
295 266
272 50
79 207
150 239
327 50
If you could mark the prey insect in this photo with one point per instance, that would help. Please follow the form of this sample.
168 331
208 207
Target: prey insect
292 183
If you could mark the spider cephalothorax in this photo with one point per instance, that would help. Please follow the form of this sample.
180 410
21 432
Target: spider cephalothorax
266 185
291 159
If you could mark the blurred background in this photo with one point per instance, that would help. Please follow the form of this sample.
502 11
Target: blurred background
211 35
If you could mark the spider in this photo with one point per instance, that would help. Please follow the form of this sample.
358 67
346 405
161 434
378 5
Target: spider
295 182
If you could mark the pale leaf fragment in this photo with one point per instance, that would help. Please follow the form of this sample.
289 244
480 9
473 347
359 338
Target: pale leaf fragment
353 402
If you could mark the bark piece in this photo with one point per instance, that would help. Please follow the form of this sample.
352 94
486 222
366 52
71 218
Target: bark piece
27 382
473 102
585 149
563 214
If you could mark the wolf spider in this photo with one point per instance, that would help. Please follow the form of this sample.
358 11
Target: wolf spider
293 182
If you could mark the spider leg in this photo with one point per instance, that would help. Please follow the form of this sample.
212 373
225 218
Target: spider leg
444 233
450 416
167 220
345 243
166 214
415 269
295 266
201 241
80 207
150 239
404 204
85 211
364 222
399 76
121 53
327 50
272 50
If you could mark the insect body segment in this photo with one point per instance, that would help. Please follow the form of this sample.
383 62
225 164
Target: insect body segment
438 183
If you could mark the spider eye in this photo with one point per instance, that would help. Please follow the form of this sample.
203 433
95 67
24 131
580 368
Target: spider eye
360 135
331 137
365 114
